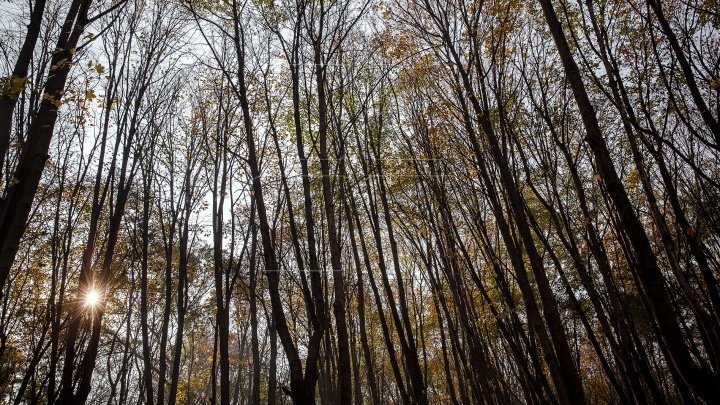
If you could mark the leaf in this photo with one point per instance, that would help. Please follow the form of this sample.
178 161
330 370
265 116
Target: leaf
12 86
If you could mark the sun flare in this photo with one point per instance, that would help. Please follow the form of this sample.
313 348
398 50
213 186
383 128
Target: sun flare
92 298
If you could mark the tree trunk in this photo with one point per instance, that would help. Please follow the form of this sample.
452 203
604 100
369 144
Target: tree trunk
16 82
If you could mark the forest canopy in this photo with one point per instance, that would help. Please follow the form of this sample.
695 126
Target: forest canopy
359 201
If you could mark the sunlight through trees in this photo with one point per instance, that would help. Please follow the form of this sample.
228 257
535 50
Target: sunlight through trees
359 201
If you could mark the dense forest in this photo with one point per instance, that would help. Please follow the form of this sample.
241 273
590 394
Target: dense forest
359 201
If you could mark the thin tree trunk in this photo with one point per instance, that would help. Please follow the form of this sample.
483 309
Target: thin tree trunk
255 392
147 366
